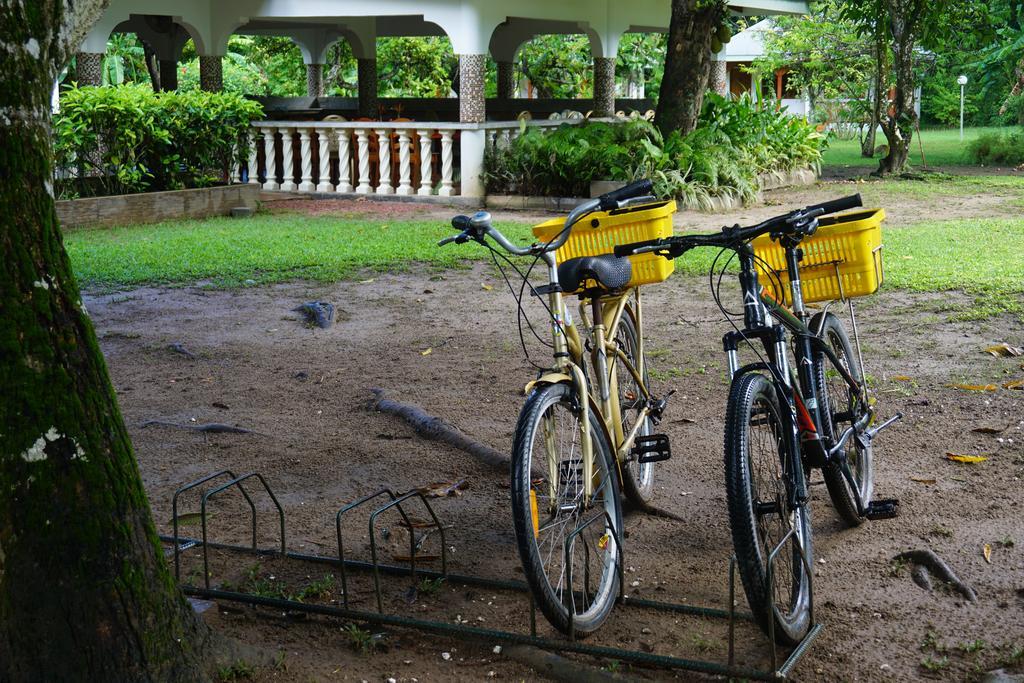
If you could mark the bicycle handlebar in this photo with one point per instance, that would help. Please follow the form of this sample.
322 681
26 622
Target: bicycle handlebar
799 223
477 226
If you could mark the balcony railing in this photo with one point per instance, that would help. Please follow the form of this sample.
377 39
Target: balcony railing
374 157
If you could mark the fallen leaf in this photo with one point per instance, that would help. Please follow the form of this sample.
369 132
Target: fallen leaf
1017 384
986 550
366 282
443 489
975 387
1005 350
922 480
989 430
901 378
190 518
956 457
486 287
426 352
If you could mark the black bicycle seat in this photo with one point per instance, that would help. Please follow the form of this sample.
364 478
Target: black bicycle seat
608 271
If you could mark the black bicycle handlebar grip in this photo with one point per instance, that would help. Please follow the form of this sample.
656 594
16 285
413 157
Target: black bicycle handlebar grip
836 205
461 222
628 249
610 200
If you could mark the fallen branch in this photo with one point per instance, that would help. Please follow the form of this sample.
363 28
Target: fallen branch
434 429
938 568
558 668
208 428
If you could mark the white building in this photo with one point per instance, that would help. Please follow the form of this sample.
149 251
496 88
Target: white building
439 154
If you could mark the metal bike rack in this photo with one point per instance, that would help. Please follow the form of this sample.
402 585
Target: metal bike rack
376 569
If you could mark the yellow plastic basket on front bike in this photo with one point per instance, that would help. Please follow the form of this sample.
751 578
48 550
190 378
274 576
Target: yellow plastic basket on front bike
599 232
842 259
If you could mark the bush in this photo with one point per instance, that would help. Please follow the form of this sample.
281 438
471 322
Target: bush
998 148
129 139
734 143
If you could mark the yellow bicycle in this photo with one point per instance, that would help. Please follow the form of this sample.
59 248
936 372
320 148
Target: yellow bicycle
586 429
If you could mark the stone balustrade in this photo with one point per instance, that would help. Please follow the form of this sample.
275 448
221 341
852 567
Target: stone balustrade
375 157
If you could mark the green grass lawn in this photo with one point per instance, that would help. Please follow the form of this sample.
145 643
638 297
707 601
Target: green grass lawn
225 252
942 147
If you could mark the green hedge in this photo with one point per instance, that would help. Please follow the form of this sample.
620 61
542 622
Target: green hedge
994 149
126 139
735 142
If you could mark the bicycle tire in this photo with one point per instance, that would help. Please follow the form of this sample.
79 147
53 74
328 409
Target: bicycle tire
836 400
750 487
541 553
637 478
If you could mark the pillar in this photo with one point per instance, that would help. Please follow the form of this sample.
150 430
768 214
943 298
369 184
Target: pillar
368 106
89 68
506 80
604 86
315 80
472 109
168 74
211 73
472 73
718 80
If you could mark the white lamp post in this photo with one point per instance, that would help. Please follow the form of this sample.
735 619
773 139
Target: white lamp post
962 80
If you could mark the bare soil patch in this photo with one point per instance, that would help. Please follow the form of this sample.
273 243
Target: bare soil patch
303 392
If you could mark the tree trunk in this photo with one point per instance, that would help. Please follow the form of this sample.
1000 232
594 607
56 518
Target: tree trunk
900 120
152 66
879 99
687 63
84 591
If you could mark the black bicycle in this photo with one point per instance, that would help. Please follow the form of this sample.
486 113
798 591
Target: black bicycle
783 419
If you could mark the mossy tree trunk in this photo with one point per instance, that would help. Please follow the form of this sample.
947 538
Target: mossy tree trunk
898 123
84 591
687 63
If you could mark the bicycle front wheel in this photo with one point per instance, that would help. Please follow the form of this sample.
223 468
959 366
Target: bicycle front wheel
637 477
568 545
840 409
768 534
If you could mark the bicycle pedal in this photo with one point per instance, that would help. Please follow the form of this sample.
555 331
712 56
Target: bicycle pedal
651 448
883 509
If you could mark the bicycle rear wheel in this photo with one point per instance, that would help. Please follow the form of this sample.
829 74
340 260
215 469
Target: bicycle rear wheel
840 409
637 477
760 517
577 587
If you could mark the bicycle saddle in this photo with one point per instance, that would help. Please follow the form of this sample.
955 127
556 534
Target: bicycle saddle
609 271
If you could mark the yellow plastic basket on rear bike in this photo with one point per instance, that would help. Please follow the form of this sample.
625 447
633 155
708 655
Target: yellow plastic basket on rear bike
601 231
843 259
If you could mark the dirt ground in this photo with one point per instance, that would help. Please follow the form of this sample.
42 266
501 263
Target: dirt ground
304 394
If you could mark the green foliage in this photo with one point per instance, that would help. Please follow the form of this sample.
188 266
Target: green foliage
736 141
415 67
998 148
558 66
130 139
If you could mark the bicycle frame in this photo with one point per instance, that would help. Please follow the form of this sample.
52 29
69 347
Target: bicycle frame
768 319
606 313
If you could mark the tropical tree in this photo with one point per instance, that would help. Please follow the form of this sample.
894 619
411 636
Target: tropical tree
903 27
694 26
85 593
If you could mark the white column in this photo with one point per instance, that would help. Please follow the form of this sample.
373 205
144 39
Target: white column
324 152
306 154
384 157
364 162
472 165
344 165
425 163
270 157
288 182
254 159
446 164
235 174
404 167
